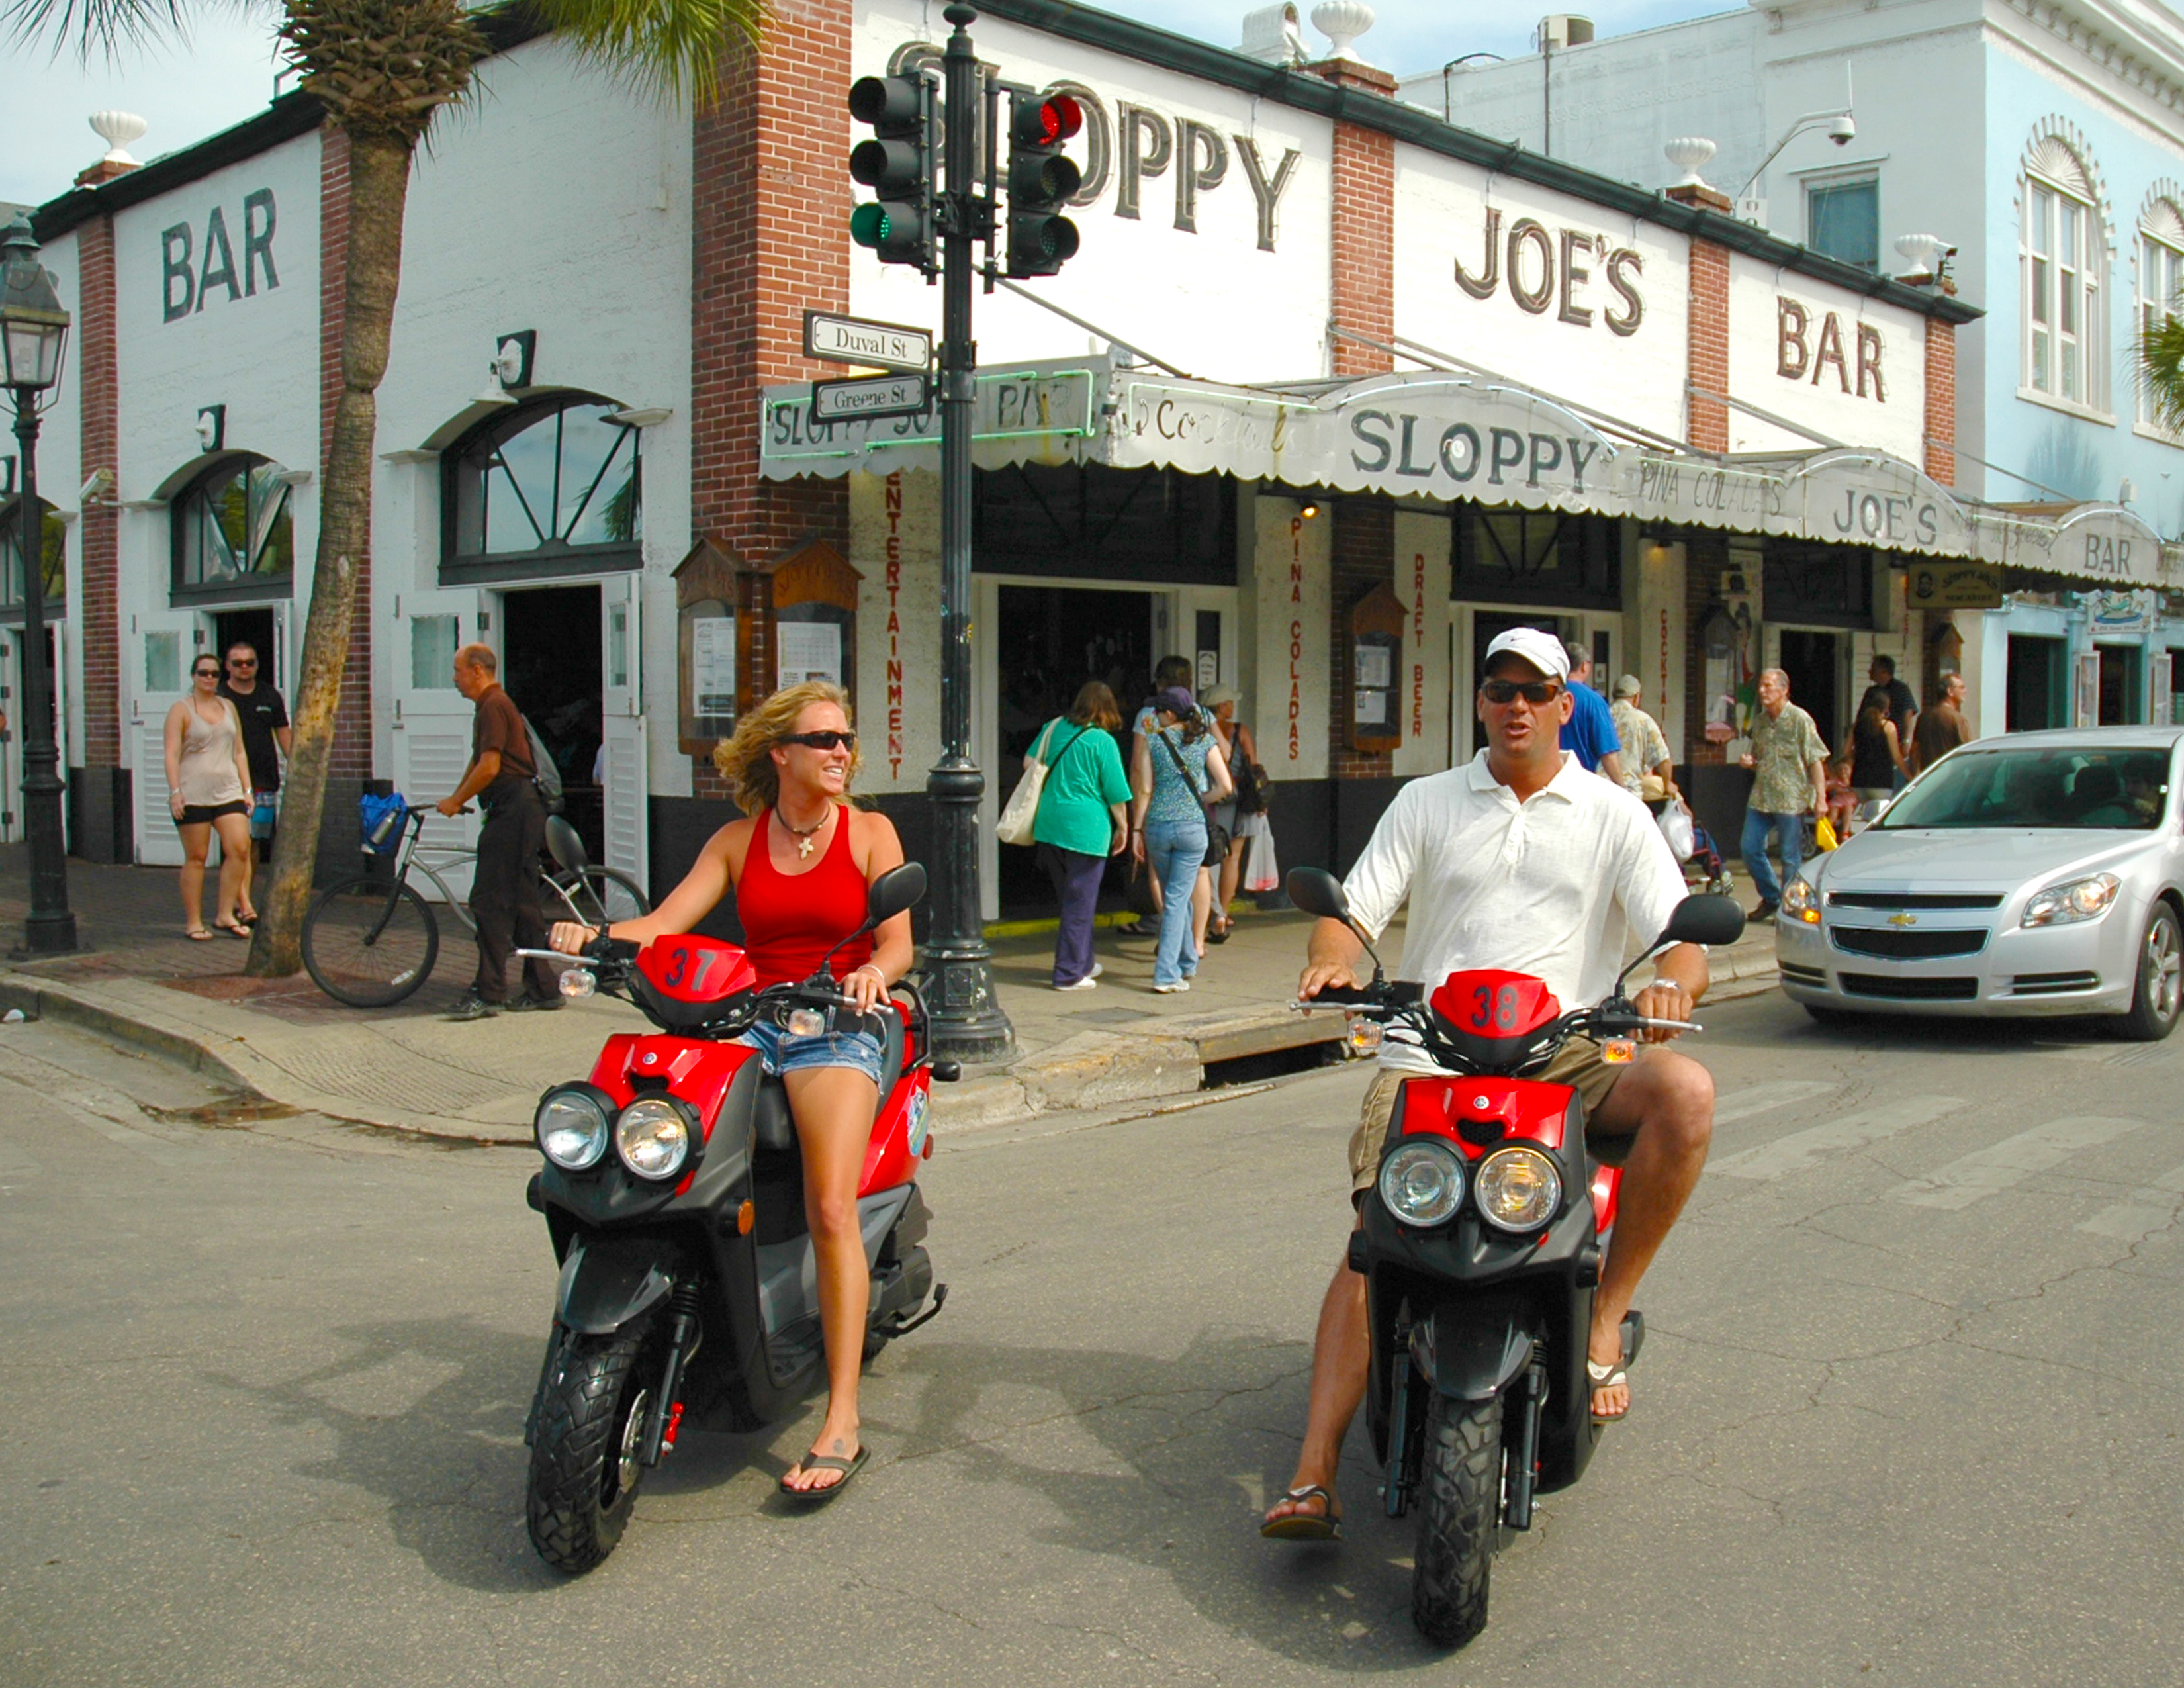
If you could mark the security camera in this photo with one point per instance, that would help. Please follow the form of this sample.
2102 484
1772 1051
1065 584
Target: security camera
1843 130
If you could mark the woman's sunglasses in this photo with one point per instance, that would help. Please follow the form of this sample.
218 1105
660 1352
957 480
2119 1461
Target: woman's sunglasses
822 741
204 674
1534 691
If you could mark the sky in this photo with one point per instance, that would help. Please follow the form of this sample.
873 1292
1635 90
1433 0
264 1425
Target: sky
224 72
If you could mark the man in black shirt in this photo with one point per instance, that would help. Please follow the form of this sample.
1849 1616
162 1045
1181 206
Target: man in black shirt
266 739
505 883
1875 771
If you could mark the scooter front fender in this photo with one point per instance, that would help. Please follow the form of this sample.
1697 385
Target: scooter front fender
607 1281
1478 1345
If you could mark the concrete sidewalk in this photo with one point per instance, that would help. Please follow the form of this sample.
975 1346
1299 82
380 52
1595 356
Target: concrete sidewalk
140 982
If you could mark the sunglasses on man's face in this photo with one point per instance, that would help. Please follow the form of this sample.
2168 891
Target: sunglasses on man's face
242 662
822 741
1534 691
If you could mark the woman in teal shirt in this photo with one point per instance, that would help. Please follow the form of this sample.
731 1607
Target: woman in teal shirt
1080 823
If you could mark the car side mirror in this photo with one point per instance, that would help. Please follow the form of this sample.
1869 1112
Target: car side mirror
1316 891
1703 919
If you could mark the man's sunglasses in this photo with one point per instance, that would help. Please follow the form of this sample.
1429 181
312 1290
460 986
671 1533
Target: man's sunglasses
1534 691
822 741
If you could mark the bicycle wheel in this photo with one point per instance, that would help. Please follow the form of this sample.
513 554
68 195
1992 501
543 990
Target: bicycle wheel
597 896
370 943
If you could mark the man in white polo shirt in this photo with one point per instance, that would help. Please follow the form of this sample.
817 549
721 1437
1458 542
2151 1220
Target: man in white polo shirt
1519 859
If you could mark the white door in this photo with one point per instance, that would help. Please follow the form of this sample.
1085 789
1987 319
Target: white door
432 724
164 649
621 731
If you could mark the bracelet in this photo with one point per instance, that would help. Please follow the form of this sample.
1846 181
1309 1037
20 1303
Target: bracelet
874 970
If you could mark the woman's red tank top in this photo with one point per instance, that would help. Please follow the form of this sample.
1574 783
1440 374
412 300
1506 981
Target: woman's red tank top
790 921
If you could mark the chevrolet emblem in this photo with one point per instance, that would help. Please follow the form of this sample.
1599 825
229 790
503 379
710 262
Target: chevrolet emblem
1903 920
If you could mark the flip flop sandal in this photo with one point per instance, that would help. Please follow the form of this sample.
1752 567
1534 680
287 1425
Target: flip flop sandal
232 929
1615 1375
824 1461
1326 1526
197 935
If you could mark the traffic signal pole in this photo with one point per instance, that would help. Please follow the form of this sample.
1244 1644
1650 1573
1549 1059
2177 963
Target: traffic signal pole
967 1021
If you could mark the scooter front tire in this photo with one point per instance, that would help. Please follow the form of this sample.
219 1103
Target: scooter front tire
1459 1518
584 1470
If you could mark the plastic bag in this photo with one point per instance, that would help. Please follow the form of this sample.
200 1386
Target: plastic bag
1262 871
1677 828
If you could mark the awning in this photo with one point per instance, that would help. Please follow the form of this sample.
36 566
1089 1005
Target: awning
1446 437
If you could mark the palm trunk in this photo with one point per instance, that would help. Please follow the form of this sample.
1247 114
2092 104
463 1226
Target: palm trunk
379 188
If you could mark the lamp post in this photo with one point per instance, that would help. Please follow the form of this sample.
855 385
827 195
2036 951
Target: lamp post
33 336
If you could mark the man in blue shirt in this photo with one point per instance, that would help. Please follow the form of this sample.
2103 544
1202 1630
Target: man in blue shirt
1590 729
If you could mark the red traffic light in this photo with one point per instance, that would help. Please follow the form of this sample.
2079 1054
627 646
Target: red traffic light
1053 121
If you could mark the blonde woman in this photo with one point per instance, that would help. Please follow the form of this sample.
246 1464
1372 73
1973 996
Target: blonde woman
800 868
207 786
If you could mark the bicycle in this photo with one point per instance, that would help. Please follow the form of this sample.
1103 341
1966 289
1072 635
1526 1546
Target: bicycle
370 943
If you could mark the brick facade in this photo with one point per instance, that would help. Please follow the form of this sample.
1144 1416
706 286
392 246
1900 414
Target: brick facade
351 756
1942 400
98 610
771 198
1707 420
1363 189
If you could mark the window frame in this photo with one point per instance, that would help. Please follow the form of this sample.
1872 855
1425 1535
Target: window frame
2158 248
1837 183
554 556
249 587
2066 291
14 610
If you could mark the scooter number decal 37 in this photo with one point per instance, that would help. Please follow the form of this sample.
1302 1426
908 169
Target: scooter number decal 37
681 964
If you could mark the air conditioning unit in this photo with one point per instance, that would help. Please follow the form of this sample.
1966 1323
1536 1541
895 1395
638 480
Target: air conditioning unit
1560 29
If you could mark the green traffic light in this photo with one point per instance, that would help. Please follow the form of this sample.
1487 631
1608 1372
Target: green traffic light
869 225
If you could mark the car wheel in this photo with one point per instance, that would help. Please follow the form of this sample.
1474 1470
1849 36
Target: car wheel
2154 1006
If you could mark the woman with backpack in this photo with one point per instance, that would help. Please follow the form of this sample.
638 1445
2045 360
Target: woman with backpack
1081 821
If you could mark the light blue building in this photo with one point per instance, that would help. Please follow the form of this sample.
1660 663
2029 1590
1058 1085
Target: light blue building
2041 145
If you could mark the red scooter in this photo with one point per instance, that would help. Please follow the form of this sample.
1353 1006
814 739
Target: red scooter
1480 1245
673 1191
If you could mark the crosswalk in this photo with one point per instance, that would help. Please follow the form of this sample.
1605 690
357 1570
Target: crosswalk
2092 1148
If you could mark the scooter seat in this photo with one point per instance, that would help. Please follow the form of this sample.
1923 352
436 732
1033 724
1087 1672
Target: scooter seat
774 1129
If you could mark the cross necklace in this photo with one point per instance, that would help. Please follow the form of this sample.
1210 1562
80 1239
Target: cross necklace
807 838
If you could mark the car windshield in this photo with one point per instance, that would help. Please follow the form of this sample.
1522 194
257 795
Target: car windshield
2077 787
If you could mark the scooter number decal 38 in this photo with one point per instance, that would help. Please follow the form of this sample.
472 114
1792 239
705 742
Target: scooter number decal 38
1496 1008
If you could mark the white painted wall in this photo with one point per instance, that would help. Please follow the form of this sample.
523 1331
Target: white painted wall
1570 345
1210 302
1423 542
1852 369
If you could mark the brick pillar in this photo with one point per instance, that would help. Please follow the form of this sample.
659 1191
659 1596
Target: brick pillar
1363 193
770 218
98 614
1709 425
351 761
1942 400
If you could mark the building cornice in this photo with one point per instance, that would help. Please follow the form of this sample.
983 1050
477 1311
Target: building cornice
2141 45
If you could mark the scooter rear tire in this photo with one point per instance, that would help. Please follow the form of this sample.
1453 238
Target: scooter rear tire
584 1478
1459 1518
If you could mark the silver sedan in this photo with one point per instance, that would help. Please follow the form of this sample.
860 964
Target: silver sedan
2037 873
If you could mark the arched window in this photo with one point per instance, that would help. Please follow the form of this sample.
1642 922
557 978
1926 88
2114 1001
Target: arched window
53 577
2161 275
553 487
2063 252
233 531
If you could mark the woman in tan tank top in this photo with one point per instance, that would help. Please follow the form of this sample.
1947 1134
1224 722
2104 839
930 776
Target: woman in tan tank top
207 786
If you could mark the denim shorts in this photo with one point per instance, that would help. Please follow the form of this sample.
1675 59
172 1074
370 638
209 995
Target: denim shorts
845 1046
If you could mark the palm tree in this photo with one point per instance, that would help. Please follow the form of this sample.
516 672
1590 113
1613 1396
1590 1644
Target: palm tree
2161 370
384 69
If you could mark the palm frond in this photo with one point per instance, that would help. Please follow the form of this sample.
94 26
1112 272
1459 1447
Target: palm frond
2158 370
667 48
85 27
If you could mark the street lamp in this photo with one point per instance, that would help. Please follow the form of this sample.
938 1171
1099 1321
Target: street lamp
33 336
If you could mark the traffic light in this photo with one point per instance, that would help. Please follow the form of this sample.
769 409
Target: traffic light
896 164
1041 179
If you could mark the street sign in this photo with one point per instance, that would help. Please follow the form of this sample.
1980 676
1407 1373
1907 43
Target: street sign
1943 584
876 345
867 395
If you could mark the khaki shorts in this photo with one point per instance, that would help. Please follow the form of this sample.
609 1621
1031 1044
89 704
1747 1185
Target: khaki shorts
1577 1064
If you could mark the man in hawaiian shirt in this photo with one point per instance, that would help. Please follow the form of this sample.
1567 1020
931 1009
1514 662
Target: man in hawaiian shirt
1791 762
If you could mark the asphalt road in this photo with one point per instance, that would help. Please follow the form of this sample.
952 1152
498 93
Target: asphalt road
1909 1411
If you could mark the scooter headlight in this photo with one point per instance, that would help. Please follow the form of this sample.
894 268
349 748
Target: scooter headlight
571 1126
1518 1190
1422 1183
653 1138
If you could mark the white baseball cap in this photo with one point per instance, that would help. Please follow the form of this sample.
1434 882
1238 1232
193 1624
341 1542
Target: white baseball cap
1544 651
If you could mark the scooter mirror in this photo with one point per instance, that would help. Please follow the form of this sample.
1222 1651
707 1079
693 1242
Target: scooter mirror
562 841
1703 919
893 891
1316 891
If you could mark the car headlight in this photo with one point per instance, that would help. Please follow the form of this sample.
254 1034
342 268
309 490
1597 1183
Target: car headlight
1422 1183
2078 899
652 1137
571 1126
1801 902
1518 1190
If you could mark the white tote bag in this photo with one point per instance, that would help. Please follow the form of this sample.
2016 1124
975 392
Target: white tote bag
1021 811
